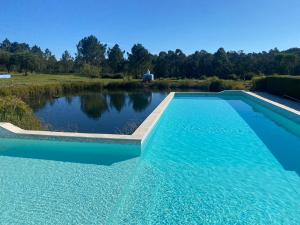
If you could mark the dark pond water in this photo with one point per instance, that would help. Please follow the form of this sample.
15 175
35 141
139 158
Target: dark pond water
106 112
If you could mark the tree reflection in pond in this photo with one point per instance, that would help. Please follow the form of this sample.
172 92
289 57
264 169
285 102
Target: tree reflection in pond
117 100
94 105
140 101
69 99
97 112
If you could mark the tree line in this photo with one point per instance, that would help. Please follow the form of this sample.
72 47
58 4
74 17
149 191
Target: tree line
95 59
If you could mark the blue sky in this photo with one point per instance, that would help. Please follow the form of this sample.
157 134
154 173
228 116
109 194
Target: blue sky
250 25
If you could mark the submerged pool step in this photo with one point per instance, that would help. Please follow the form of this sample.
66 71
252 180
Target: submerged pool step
173 193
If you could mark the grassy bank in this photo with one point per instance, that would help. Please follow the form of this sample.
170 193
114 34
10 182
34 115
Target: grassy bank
50 85
15 111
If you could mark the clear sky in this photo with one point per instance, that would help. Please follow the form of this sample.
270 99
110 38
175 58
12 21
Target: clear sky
250 25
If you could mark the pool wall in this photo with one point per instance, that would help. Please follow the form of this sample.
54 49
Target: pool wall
142 133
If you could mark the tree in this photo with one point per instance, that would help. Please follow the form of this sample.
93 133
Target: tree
90 60
5 60
139 60
91 51
47 54
27 62
116 59
161 65
221 63
66 62
287 63
37 51
5 45
50 62
19 47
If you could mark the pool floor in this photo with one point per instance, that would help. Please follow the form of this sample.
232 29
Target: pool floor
207 162
205 165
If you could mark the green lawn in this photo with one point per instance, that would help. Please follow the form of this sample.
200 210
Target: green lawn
46 79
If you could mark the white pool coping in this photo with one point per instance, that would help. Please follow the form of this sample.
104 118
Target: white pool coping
142 132
274 103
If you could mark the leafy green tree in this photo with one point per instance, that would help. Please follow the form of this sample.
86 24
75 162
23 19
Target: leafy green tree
91 60
47 54
91 51
116 59
139 60
286 63
19 47
37 51
5 45
66 62
161 65
5 60
51 65
27 62
221 63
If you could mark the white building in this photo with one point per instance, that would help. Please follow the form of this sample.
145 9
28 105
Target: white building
148 76
5 76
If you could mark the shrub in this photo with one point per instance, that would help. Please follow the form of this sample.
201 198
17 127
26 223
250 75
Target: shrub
232 77
90 71
113 75
249 75
160 84
259 84
127 85
234 85
279 85
216 85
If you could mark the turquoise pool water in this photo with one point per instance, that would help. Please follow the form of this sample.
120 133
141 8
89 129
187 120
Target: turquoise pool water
210 160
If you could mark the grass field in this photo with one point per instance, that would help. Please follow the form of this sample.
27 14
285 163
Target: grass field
45 79
19 80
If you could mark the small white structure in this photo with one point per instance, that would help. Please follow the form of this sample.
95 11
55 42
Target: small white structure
5 76
148 76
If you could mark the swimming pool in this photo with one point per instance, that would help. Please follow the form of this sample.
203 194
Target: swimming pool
211 159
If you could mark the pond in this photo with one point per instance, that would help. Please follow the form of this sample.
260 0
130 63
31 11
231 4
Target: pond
102 112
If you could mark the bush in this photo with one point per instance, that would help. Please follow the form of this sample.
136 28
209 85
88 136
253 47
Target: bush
126 85
216 85
232 77
113 75
90 71
249 75
15 111
259 84
279 85
160 84
234 85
